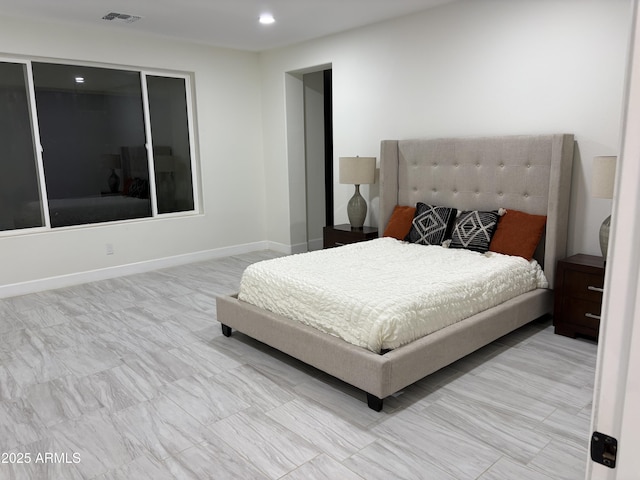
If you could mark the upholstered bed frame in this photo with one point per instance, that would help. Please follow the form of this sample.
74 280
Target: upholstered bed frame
527 173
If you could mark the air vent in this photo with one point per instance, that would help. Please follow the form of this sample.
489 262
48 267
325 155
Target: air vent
121 17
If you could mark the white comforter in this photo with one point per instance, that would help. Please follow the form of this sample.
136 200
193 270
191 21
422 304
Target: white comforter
384 293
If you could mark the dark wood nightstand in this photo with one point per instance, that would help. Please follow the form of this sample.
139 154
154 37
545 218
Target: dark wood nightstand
337 235
578 295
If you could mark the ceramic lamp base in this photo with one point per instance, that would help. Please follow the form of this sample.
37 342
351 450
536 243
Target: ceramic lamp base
114 181
357 209
604 236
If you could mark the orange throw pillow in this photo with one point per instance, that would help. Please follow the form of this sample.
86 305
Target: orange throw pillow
518 233
400 222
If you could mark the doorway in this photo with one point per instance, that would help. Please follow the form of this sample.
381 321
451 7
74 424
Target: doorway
318 153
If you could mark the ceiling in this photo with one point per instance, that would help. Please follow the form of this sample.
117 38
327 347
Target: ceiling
224 23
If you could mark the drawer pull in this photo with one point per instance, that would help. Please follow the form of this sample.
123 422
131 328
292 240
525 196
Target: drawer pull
338 244
595 289
591 315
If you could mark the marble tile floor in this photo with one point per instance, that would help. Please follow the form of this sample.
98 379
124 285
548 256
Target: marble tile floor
130 378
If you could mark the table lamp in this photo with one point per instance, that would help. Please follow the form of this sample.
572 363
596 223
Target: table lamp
357 171
111 162
603 176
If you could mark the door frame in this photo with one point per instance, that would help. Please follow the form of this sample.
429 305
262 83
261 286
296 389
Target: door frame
617 382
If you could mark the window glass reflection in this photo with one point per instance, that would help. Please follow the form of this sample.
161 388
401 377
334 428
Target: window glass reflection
92 131
170 136
20 201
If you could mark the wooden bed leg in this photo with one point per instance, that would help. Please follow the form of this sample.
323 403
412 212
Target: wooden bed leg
226 330
374 402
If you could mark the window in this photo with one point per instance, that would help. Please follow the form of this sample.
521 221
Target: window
20 200
168 113
115 145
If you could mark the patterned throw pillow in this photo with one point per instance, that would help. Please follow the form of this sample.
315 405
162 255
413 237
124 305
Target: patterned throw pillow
431 225
139 188
473 230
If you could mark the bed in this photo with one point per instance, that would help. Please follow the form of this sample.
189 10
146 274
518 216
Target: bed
528 173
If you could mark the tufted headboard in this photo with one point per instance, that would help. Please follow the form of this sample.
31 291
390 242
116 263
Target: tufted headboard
527 173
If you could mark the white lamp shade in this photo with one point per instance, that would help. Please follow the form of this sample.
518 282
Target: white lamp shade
111 160
603 175
357 170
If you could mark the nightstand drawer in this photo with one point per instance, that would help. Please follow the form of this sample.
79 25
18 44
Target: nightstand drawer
338 235
583 285
335 239
581 312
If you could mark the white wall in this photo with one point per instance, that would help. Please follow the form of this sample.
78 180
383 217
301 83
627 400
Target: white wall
229 142
473 67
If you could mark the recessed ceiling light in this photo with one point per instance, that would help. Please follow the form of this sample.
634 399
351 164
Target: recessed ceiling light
79 79
267 19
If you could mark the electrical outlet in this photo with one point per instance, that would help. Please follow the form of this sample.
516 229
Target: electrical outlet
110 249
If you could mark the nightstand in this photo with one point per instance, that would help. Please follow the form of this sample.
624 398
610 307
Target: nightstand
337 235
578 295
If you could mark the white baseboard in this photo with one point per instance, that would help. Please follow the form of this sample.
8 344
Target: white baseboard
280 247
61 281
299 248
316 244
